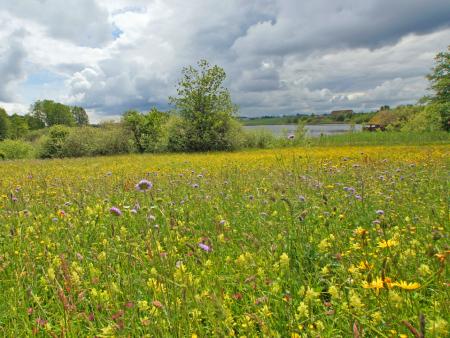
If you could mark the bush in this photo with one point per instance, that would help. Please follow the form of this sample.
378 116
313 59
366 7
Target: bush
52 146
429 119
16 149
109 139
177 134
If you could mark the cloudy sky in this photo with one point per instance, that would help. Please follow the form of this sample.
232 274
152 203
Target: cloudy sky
280 56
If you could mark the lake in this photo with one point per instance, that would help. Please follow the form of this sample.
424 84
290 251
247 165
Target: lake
313 130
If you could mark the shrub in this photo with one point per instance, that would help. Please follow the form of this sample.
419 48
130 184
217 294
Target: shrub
109 139
16 149
429 119
53 145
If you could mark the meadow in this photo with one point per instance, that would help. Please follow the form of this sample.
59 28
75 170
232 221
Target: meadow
294 242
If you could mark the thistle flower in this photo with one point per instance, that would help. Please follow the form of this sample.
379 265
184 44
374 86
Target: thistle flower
115 211
204 247
144 185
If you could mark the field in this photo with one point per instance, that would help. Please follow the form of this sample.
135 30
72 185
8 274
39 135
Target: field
297 242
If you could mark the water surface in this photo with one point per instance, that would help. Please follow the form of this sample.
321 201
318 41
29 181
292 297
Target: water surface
312 130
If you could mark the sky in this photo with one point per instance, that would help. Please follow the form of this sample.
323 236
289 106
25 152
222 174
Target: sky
280 56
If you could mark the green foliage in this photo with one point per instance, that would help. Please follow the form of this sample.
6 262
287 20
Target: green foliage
80 116
34 123
206 108
18 126
147 129
428 119
89 141
53 144
5 125
16 149
177 138
51 113
260 138
440 78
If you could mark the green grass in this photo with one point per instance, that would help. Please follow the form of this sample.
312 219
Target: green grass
381 138
296 236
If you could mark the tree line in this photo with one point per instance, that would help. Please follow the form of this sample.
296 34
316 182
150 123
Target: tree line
43 114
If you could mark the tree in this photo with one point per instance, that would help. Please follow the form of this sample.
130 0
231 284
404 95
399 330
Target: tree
34 123
19 126
135 122
52 113
80 116
440 84
5 124
147 129
206 108
440 78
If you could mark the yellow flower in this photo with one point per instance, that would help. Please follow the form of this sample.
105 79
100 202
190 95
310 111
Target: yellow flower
407 286
365 265
424 270
334 291
387 244
284 260
375 284
302 311
355 300
376 317
360 231
51 273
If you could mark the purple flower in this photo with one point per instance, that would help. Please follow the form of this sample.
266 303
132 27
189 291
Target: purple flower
115 211
358 197
204 247
380 212
144 185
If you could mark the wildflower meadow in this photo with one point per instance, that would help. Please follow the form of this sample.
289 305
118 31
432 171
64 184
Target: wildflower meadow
297 242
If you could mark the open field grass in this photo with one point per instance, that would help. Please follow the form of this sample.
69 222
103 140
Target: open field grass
294 242
381 139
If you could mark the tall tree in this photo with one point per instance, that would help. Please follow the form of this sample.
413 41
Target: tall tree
52 113
440 78
80 116
135 122
4 124
440 84
34 123
205 106
19 126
